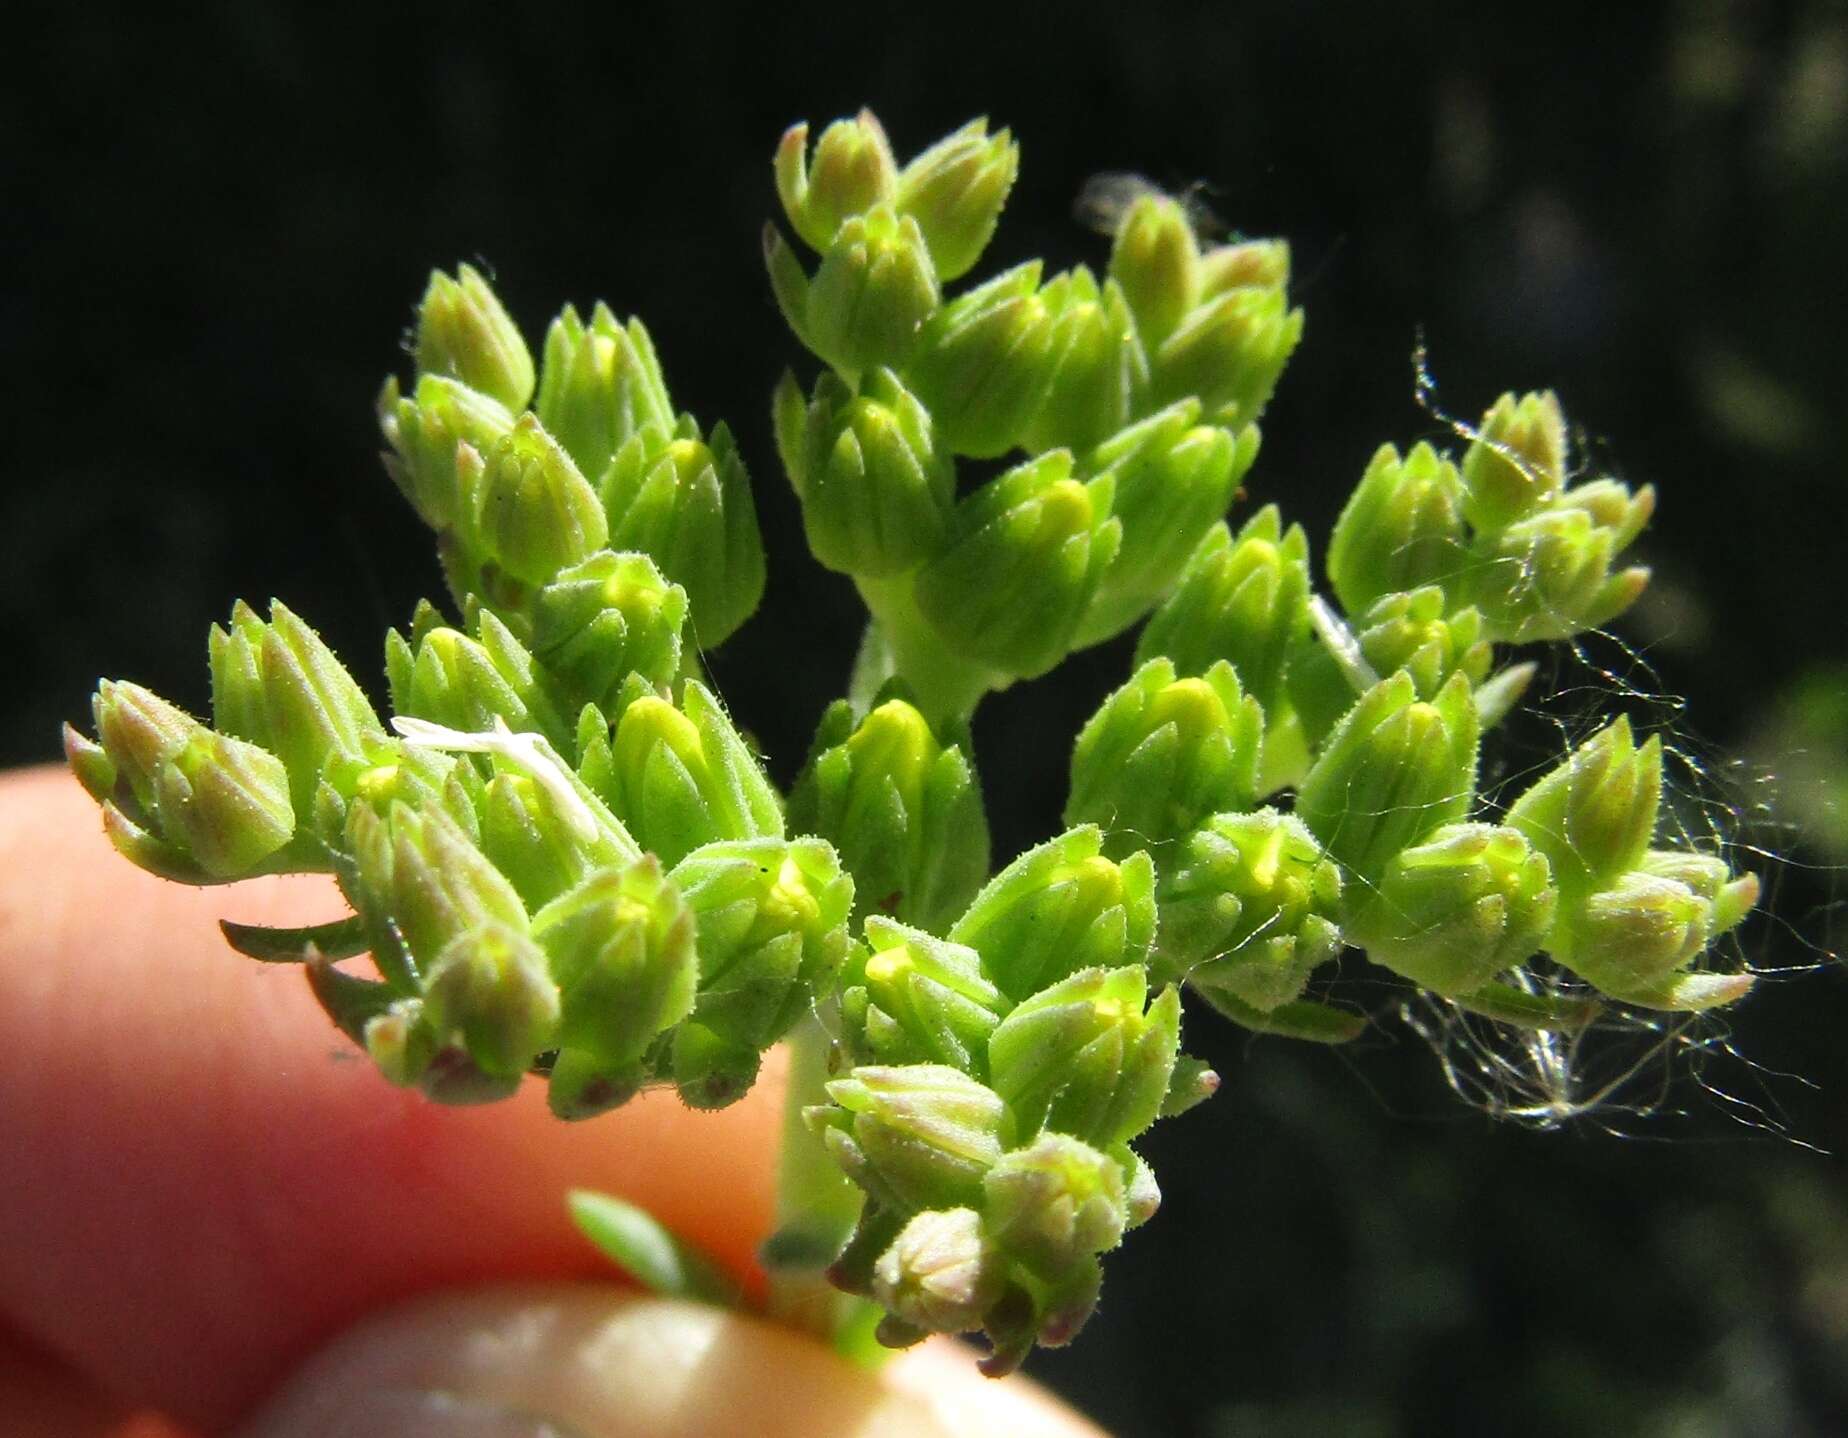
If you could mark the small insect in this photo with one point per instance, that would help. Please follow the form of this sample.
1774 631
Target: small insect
1106 197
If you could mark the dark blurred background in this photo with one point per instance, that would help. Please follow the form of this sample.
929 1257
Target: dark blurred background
215 230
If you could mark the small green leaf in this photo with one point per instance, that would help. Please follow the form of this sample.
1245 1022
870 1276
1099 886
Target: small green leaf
1303 1019
654 1257
340 939
1509 1005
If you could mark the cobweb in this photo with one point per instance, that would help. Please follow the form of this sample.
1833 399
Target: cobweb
1630 1066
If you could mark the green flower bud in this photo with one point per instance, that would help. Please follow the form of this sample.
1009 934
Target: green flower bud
463 331
1059 908
955 191
903 809
1156 261
679 778
1243 600
1055 1203
1402 529
1228 353
876 488
1396 768
914 1136
1549 576
601 383
687 506
1261 264
424 433
1099 377
852 172
621 949
179 800
599 622
1634 940
463 683
1409 632
939 1275
1086 1057
279 686
1161 754
1174 480
872 291
1517 461
535 513
1732 895
984 361
1249 908
1594 815
421 882
910 997
489 989
1025 558
539 848
1451 913
772 923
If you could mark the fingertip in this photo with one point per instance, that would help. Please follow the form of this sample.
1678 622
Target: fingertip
590 1361
219 1181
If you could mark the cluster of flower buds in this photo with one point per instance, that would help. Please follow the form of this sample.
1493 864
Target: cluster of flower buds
600 463
1132 396
565 860
1631 919
1502 532
996 1078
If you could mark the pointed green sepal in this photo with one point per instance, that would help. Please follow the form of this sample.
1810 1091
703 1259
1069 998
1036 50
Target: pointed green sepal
1395 769
276 684
771 917
464 332
686 503
984 361
1162 754
658 1259
1250 907
1174 480
682 777
955 191
909 997
1517 462
1402 529
602 383
1099 378
621 948
903 808
1242 599
1593 816
1091 1056
913 1136
876 487
1059 908
1451 913
1025 558
600 621
850 172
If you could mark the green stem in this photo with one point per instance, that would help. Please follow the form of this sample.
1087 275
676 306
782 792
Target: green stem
816 1206
945 685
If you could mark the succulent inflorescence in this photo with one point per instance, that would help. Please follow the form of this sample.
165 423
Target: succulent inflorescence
565 859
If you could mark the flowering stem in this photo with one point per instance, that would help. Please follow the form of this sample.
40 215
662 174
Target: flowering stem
816 1205
947 687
